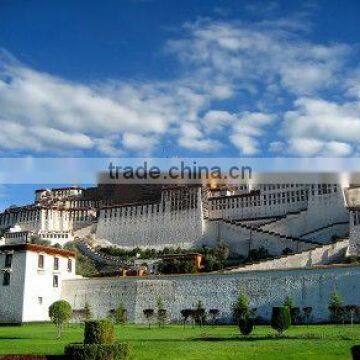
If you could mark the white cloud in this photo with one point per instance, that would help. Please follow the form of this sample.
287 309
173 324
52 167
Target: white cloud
277 146
305 146
216 119
337 149
241 84
193 139
324 120
246 144
310 147
248 129
263 53
137 142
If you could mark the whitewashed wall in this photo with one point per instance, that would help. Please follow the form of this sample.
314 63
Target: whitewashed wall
308 287
354 246
39 283
152 226
241 240
12 296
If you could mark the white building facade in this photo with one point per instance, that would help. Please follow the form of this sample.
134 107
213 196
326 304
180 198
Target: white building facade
32 277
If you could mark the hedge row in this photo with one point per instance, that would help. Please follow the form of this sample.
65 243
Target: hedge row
34 357
118 351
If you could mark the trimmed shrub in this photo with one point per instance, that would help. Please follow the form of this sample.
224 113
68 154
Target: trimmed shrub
34 357
295 314
307 314
280 319
289 302
118 351
148 313
214 313
161 311
120 315
335 308
99 332
241 308
199 314
355 351
186 313
246 325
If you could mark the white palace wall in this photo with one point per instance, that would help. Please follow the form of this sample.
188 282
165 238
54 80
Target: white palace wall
354 246
323 210
158 225
241 239
321 255
308 287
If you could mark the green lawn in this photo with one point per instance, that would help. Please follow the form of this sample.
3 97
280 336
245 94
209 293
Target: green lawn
210 343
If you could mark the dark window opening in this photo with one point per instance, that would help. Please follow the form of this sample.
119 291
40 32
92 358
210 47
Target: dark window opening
6 280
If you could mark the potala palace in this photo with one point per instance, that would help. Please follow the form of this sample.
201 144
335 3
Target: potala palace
319 223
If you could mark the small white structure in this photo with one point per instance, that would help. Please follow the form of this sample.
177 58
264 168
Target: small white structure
31 280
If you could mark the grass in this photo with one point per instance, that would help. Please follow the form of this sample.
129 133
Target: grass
210 343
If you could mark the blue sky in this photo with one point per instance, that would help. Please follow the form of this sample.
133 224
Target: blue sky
179 78
189 78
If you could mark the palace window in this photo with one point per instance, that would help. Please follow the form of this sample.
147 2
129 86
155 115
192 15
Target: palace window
41 261
6 280
56 263
8 260
40 300
55 281
69 265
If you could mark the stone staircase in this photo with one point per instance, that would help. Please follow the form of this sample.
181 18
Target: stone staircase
87 250
265 231
321 255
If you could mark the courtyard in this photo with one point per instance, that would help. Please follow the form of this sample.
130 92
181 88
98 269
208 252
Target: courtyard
209 342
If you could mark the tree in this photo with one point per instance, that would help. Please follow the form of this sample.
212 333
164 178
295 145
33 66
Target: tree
120 314
335 307
241 308
148 313
243 315
161 311
280 319
294 311
199 314
214 313
350 312
289 302
307 311
60 313
186 313
246 325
